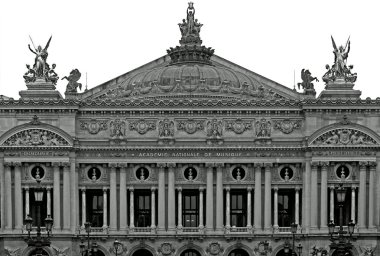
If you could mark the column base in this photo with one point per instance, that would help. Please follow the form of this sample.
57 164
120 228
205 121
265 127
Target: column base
171 230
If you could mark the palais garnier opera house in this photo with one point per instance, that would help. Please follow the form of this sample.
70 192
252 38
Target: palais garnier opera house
189 155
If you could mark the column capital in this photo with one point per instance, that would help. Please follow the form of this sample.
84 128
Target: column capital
161 165
56 164
332 186
179 189
275 188
354 187
8 164
170 165
372 166
105 189
26 188
153 189
324 165
131 188
83 189
112 166
17 164
258 165
201 189
297 188
227 188
249 188
219 165
267 166
66 165
209 165
314 165
363 165
48 188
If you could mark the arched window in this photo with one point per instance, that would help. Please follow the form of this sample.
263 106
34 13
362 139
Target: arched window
142 252
238 252
190 252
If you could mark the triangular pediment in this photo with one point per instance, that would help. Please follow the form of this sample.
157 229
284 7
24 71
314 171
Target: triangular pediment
220 80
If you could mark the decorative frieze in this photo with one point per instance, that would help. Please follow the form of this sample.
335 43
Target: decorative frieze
117 127
190 126
263 128
142 126
287 126
214 129
238 126
93 126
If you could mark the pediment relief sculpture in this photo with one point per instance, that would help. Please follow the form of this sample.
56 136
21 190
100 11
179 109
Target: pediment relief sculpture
238 126
287 126
36 137
344 137
142 126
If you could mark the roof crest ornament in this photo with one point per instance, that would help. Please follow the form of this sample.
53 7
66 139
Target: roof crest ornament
190 28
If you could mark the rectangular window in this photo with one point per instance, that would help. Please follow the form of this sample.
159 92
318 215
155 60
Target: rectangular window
286 207
190 208
94 200
142 205
238 208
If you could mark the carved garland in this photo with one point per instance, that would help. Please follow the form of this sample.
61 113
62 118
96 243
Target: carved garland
344 137
238 126
287 126
93 126
142 126
36 137
190 126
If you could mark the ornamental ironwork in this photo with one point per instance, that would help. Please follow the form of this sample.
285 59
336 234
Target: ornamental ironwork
36 137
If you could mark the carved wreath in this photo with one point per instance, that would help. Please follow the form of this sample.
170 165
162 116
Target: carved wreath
287 126
142 126
190 126
238 126
93 126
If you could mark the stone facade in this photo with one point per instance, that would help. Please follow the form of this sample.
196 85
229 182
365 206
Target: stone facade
181 124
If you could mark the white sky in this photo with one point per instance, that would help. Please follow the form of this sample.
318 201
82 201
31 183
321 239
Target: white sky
109 38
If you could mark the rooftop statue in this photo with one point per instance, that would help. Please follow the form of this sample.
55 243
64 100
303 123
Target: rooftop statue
340 70
190 28
307 80
73 81
40 69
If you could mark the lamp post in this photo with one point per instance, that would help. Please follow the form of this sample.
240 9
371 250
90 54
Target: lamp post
38 242
293 229
92 249
341 244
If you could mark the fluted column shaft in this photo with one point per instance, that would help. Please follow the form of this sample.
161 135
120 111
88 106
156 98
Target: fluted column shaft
201 225
371 199
105 208
84 214
332 205
228 208
268 198
257 207
324 191
18 196
153 208
210 199
362 195
249 207
113 199
171 198
57 196
219 198
123 199
161 198
179 207
66 196
131 208
314 196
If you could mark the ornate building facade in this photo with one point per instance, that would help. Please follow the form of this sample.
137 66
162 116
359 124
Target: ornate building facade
187 155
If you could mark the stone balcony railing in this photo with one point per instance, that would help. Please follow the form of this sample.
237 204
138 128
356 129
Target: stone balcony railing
142 230
238 230
190 230
94 231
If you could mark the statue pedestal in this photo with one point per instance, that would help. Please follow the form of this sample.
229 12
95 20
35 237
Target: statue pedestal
40 89
340 89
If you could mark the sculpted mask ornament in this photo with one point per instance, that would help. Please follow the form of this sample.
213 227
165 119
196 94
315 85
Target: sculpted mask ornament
287 126
263 128
142 126
166 128
117 128
190 126
166 249
238 126
61 252
214 248
94 126
344 137
35 137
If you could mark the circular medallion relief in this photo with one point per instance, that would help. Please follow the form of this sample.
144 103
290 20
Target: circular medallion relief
286 173
190 173
342 172
238 173
142 173
37 172
94 173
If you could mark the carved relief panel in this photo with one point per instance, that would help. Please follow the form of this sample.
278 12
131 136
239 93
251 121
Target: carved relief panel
94 174
238 174
190 174
287 173
142 174
93 126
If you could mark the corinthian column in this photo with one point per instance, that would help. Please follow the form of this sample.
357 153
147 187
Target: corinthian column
113 200
371 200
257 207
249 207
74 193
362 194
210 197
123 199
332 205
153 207
219 197
228 208
353 204
324 195
201 207
27 204
66 196
171 198
161 197
84 214
57 196
48 200
8 191
131 208
314 195
105 208
179 195
18 196
297 210
268 197
275 210
307 202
